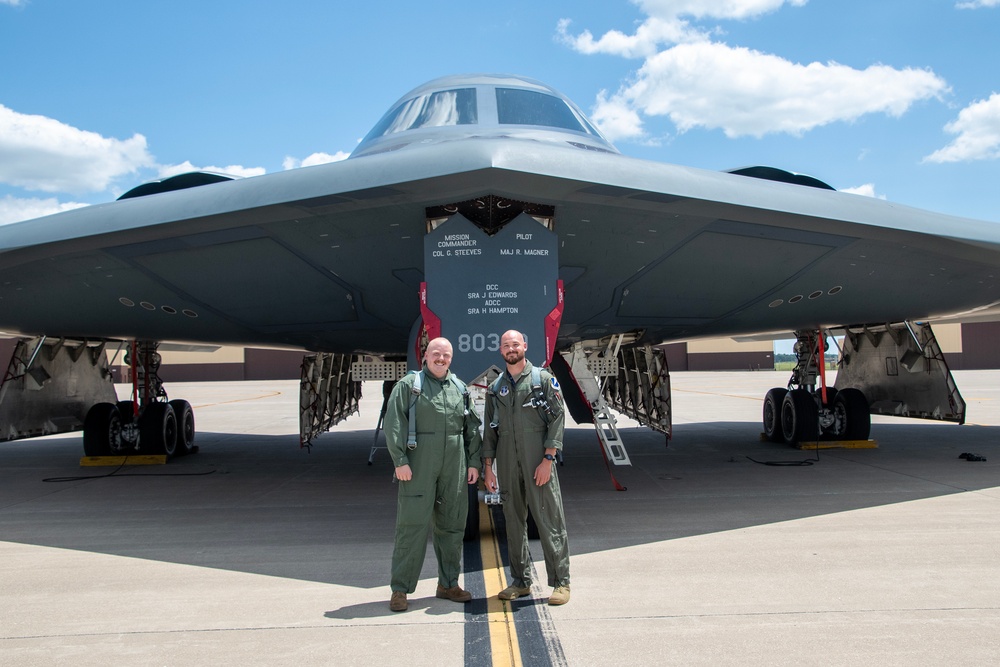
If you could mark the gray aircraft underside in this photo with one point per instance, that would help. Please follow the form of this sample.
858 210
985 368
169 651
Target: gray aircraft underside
480 203
330 258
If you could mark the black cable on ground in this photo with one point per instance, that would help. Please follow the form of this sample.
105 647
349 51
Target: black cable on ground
804 462
116 473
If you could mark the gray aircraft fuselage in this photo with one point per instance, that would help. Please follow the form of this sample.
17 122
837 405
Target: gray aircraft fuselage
331 257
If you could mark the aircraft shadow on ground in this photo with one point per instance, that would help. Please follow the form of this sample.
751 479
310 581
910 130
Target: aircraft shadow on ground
259 504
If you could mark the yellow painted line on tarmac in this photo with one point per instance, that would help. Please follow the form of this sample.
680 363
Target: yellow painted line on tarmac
716 393
136 460
240 400
839 444
504 646
831 444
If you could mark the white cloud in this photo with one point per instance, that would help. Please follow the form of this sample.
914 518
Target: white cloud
39 153
644 43
616 118
13 209
976 4
168 170
14 3
716 9
866 190
314 159
697 82
978 130
745 92
665 25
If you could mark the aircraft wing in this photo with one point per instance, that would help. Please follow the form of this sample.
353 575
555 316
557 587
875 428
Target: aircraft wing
331 257
424 223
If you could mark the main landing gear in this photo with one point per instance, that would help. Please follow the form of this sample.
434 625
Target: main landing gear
148 423
805 412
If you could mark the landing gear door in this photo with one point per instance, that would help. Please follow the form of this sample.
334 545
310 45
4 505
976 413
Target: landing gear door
478 286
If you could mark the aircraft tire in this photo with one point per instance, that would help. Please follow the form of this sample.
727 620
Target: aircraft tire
158 429
799 417
185 426
830 432
127 413
772 414
102 430
126 410
857 414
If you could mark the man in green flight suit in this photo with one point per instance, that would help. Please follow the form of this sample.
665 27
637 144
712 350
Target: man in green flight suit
433 473
526 429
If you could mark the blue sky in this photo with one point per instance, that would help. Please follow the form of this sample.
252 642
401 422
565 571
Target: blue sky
893 99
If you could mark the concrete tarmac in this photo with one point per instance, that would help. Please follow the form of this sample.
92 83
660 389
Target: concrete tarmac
254 552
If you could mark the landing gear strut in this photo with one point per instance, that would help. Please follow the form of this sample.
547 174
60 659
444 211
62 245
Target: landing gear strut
806 412
148 423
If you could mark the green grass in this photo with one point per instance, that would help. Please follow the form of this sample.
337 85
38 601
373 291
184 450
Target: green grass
789 365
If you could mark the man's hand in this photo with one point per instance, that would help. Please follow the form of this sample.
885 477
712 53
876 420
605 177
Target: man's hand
403 473
490 479
473 475
543 473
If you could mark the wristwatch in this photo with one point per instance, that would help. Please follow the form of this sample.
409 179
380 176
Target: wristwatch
549 457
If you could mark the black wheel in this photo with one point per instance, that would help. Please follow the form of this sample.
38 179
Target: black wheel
472 521
831 395
827 432
102 430
185 426
130 429
158 429
126 410
799 417
772 414
852 410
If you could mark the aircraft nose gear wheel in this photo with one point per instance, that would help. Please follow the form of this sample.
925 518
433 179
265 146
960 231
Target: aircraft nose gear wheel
799 417
852 416
102 430
772 414
158 429
185 426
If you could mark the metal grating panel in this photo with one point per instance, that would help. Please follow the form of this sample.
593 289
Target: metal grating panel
364 371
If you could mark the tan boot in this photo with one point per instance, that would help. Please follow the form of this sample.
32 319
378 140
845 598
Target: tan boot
398 601
513 592
560 595
455 593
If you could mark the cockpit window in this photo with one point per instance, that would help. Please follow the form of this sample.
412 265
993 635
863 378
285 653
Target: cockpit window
516 106
446 107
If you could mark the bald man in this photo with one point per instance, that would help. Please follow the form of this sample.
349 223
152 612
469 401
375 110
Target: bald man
434 475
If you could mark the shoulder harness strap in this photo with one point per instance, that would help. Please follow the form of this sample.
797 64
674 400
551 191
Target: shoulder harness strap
411 420
492 392
464 391
538 399
538 394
